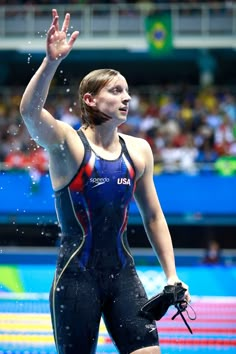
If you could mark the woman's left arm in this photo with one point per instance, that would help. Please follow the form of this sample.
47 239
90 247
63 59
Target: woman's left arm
154 220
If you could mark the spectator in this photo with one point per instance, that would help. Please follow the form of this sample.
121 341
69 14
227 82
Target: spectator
228 106
188 153
170 157
206 157
223 135
212 253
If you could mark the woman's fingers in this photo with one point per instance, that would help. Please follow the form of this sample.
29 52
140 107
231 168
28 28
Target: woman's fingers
187 297
55 19
66 23
59 43
55 22
73 38
50 34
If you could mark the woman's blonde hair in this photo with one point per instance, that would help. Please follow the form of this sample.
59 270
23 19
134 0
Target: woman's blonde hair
92 83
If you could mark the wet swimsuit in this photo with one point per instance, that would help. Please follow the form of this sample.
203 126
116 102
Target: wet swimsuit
95 274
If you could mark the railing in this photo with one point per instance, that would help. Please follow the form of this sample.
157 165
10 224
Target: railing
159 168
186 199
107 23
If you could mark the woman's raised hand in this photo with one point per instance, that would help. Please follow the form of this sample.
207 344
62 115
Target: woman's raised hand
59 44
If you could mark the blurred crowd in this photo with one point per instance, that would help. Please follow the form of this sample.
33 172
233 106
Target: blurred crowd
45 2
190 130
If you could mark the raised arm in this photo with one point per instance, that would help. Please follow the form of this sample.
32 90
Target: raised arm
154 220
42 126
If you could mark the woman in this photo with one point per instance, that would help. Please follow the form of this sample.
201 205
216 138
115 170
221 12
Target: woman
95 172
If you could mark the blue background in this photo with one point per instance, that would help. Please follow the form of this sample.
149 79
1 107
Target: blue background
179 194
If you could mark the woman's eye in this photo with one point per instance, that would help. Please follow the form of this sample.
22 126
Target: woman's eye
116 90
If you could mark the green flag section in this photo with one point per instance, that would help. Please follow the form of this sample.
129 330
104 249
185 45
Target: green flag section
226 165
10 279
159 34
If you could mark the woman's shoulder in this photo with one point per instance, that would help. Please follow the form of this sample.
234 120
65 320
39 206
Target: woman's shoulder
139 151
133 141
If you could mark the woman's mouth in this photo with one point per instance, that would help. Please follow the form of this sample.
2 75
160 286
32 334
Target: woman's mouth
123 109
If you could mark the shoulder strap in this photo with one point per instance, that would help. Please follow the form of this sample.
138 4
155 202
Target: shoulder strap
84 139
123 145
125 151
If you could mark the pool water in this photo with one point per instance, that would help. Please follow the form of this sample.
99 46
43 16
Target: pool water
25 325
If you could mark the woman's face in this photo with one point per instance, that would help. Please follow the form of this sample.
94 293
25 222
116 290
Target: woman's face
113 99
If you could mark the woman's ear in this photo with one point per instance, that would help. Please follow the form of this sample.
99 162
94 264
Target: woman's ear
89 99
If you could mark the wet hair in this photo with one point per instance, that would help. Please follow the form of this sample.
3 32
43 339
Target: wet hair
93 83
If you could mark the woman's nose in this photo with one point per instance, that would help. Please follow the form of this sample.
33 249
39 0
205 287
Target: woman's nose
126 98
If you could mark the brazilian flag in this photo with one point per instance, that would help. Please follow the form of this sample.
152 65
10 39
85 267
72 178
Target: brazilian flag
159 34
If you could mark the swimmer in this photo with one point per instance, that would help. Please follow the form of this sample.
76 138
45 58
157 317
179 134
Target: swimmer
95 172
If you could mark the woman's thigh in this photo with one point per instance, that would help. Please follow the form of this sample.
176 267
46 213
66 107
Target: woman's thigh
75 312
128 328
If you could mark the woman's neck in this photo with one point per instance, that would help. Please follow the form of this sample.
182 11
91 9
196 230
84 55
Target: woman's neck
101 136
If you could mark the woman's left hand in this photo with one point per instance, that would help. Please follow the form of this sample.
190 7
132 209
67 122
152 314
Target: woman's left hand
173 280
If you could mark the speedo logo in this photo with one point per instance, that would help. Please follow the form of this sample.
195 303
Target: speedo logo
123 181
99 181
